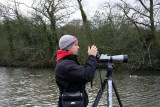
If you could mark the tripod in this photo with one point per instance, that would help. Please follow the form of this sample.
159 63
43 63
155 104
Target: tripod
109 81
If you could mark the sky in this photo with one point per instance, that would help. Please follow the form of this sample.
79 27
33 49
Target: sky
90 6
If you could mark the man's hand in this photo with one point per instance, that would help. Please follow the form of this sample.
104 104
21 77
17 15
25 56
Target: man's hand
92 50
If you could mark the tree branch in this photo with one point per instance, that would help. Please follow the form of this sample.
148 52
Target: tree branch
144 5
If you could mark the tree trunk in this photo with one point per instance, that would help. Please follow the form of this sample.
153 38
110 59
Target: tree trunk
86 25
10 39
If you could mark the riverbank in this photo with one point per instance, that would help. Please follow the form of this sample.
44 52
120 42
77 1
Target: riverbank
26 64
51 64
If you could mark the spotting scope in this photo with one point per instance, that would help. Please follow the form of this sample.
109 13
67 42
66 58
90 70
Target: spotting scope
115 58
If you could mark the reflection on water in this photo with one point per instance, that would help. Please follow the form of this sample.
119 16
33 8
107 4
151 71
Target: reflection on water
23 87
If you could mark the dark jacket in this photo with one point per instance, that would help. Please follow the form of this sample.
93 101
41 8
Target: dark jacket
70 76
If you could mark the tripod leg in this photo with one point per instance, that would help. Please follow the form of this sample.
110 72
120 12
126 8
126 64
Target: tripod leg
99 94
109 93
117 95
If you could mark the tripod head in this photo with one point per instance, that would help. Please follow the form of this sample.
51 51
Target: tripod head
109 69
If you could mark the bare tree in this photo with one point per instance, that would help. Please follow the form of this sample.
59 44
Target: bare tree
84 17
51 12
5 15
144 16
86 24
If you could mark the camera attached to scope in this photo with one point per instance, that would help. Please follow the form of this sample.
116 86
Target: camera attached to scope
115 58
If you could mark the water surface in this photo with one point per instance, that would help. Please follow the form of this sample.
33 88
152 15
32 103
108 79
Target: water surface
24 87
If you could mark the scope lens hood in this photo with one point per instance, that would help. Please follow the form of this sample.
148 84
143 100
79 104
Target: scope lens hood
125 58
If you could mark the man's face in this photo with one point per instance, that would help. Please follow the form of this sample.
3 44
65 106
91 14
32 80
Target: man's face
74 49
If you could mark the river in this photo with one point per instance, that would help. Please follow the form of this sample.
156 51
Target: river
25 87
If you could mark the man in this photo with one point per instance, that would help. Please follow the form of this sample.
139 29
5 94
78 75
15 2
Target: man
70 76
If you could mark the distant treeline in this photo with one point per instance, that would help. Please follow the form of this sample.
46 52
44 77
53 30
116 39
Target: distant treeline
33 42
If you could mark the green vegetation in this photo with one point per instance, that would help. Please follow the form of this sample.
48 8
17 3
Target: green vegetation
33 41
